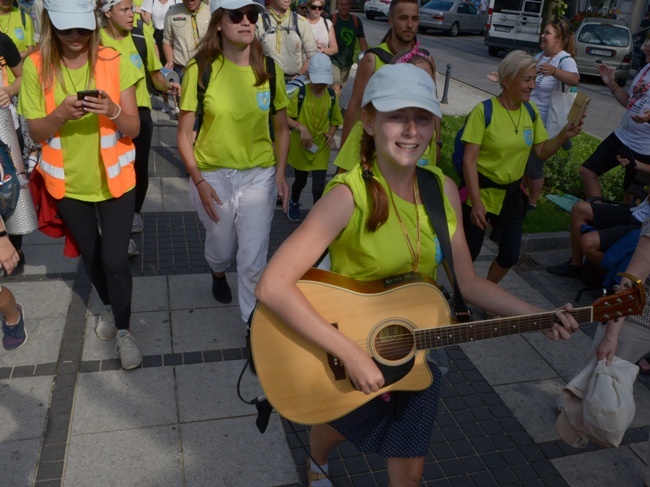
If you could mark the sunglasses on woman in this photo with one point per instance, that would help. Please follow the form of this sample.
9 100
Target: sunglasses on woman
316 7
81 32
237 16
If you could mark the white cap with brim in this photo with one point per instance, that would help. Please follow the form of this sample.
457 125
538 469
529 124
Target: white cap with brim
397 86
235 5
320 69
71 14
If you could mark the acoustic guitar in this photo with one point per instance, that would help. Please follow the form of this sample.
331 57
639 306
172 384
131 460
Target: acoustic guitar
395 320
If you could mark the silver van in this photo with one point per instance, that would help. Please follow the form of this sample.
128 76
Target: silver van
514 24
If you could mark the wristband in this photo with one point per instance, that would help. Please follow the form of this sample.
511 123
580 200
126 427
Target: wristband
615 88
119 111
3 233
196 184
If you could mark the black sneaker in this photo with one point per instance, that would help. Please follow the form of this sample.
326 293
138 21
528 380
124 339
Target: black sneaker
565 270
220 289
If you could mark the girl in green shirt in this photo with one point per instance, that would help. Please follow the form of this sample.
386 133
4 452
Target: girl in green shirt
352 219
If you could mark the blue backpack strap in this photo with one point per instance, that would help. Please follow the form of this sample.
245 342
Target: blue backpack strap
487 111
332 100
531 111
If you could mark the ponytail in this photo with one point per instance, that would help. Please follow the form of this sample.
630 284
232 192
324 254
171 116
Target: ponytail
377 199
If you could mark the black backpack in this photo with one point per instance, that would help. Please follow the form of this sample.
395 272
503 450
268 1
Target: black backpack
302 92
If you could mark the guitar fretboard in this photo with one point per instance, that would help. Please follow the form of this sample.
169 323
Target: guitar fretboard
498 327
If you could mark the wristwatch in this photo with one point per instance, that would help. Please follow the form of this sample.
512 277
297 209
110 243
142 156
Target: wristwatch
3 233
439 143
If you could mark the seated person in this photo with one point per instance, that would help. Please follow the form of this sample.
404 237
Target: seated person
610 222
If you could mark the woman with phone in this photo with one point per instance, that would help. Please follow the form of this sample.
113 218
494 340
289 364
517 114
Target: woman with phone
87 158
556 72
236 170
495 159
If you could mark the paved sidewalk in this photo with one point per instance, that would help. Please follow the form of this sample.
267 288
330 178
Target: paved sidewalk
70 417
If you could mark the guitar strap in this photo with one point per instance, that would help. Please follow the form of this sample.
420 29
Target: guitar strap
434 204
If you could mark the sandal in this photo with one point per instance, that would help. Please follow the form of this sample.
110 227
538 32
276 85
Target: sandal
313 476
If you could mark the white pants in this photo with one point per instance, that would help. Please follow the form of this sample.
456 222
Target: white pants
249 198
633 344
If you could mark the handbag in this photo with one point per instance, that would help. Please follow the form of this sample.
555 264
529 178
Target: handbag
558 110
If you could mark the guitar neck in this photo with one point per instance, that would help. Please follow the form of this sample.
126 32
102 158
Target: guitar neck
480 330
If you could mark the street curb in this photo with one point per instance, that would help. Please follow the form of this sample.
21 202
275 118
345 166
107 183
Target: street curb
537 242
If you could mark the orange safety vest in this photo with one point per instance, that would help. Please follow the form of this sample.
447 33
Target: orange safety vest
117 150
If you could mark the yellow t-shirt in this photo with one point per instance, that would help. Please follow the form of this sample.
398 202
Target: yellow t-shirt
127 49
364 255
350 153
85 176
503 154
22 35
235 132
313 115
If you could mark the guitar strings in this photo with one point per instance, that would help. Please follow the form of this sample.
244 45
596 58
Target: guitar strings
451 333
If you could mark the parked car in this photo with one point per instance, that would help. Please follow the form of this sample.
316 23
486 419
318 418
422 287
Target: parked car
357 5
604 41
451 16
638 57
376 8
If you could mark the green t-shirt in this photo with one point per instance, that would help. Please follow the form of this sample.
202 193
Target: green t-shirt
127 49
350 153
503 154
22 35
85 176
318 115
347 32
235 131
364 255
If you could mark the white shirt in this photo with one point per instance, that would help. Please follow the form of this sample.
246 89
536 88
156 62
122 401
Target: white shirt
637 135
321 32
546 85
158 11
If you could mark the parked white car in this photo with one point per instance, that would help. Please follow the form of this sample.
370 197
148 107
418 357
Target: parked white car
376 8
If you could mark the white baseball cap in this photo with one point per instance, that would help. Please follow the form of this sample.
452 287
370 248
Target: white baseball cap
320 69
71 14
397 86
235 5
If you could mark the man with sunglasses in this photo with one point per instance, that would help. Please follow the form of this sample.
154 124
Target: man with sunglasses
287 38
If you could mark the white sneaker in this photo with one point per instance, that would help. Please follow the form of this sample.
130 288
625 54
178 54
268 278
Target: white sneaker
165 107
137 225
133 249
127 348
175 112
105 327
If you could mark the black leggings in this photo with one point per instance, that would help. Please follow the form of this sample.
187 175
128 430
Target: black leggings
509 244
142 147
105 256
317 184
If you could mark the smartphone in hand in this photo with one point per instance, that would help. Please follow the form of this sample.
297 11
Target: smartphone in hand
626 153
91 93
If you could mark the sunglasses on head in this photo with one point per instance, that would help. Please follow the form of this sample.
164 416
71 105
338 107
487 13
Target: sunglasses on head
236 16
81 32
316 7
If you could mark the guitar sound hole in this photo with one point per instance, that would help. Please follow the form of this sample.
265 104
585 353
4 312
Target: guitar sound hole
393 342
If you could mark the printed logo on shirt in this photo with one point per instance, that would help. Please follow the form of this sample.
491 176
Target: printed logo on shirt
136 60
264 100
528 137
19 33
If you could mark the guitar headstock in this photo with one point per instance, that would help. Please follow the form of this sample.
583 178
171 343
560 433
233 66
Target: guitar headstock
629 301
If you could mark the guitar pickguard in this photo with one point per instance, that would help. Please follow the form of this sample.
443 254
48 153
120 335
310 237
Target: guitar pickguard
393 373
